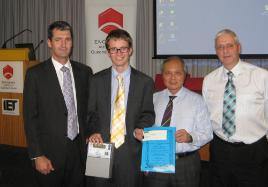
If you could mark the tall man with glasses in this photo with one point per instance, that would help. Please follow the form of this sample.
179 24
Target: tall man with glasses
237 98
121 105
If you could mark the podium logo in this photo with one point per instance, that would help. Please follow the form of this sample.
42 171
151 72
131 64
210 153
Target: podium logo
110 20
10 106
8 72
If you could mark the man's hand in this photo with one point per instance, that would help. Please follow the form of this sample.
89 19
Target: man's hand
95 138
182 136
43 165
138 134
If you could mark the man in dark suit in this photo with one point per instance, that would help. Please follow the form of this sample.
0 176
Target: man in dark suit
55 97
137 112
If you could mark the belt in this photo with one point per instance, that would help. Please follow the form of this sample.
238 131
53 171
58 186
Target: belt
234 144
237 144
185 154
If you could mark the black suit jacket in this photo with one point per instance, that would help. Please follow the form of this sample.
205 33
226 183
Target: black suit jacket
45 112
139 114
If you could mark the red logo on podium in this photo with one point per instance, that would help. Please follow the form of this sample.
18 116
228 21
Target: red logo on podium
8 72
110 20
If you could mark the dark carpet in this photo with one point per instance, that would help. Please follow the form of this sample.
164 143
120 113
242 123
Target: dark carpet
16 169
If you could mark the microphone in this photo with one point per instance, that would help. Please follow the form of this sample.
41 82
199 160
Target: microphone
5 43
38 45
32 51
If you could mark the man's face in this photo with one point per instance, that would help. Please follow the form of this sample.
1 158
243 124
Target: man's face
227 50
120 58
173 75
60 45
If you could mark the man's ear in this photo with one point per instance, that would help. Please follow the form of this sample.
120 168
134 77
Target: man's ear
130 51
49 43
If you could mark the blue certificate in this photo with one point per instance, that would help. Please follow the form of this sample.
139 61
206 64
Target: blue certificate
158 150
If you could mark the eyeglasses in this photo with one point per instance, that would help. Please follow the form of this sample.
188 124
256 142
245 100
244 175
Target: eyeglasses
116 50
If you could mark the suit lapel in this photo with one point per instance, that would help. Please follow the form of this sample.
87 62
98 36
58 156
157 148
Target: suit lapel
53 83
107 91
77 79
131 93
133 80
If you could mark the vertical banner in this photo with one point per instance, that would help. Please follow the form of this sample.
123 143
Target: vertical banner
102 16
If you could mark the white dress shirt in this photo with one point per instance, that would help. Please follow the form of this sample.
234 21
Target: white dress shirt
59 73
251 83
189 113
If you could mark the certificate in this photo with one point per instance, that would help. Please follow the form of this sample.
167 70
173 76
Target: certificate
158 150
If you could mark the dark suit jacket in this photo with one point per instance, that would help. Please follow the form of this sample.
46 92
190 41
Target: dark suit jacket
45 112
139 114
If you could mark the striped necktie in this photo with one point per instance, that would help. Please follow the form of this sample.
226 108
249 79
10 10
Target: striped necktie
168 113
72 127
229 104
119 115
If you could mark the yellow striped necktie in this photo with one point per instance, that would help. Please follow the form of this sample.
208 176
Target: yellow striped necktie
119 114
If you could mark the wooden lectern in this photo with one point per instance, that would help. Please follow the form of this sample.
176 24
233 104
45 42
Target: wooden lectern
13 66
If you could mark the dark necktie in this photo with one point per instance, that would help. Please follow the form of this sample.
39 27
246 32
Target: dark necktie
72 128
168 112
229 104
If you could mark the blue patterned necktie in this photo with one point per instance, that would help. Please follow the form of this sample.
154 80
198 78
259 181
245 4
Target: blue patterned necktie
229 103
168 113
72 128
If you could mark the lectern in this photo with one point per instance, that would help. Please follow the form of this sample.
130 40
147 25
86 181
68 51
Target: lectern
13 66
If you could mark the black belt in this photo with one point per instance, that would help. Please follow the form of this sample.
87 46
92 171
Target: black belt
185 154
237 144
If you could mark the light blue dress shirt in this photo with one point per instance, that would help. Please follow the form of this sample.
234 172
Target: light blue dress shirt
189 113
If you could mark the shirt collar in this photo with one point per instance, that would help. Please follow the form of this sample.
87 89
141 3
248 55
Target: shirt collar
125 73
236 70
179 94
58 65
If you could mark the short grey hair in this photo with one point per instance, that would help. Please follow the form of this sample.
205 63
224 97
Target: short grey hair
227 31
177 58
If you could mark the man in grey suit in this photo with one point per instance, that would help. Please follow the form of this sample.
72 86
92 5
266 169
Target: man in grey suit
55 97
138 111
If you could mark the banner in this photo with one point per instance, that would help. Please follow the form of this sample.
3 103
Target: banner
102 16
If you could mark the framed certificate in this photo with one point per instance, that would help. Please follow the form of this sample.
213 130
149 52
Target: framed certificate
158 150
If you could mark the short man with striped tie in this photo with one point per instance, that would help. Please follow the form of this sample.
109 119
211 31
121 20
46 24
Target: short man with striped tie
237 98
179 107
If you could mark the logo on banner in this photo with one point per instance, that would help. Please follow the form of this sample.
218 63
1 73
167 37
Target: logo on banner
10 107
8 72
109 20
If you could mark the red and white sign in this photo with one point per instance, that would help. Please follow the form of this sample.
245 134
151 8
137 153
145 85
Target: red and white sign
109 20
11 76
102 16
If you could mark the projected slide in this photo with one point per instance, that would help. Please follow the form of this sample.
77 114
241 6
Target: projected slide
188 27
